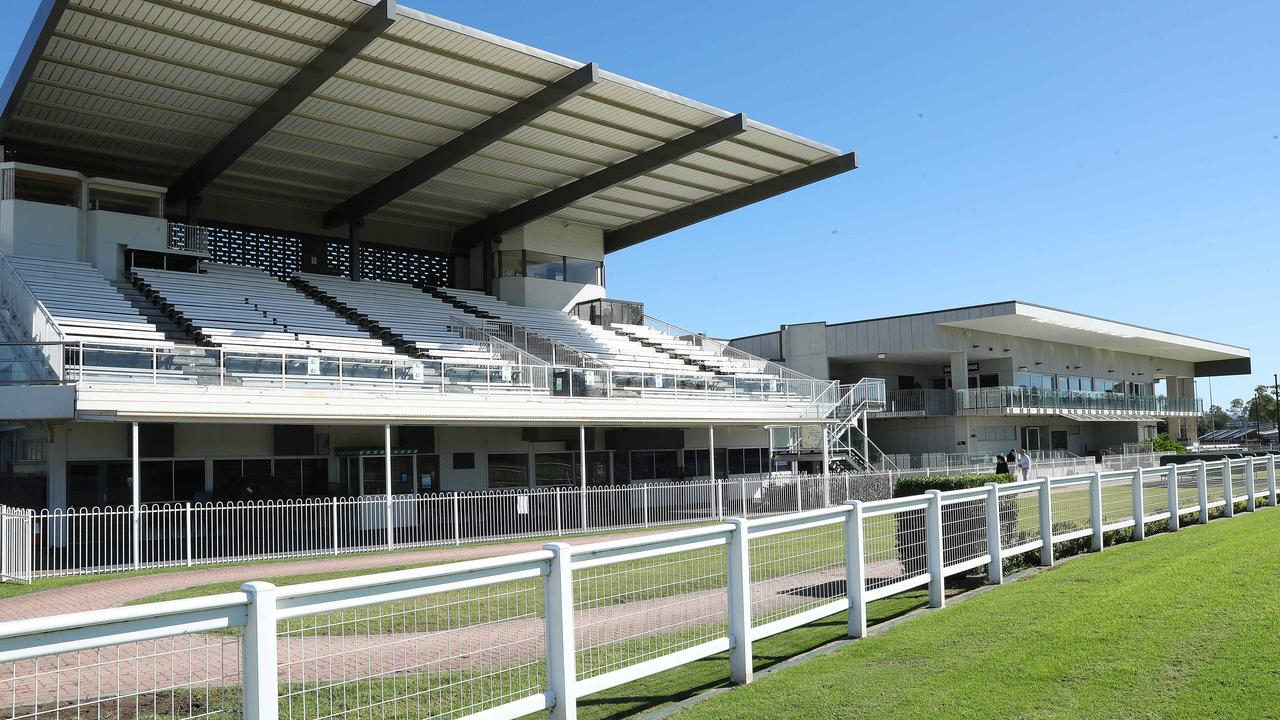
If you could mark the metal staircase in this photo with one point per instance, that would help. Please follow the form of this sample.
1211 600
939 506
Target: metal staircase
843 444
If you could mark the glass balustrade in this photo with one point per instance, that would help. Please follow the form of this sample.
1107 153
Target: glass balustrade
946 402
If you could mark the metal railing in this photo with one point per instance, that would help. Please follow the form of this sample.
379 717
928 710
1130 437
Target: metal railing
169 365
723 348
552 352
1020 399
190 238
27 313
508 636
606 311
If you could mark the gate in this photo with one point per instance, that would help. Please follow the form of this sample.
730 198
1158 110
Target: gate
15 544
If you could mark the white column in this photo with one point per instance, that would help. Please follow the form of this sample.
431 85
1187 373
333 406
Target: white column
137 500
386 469
711 463
866 442
855 570
933 550
739 588
1095 511
826 450
995 567
582 481
558 611
1227 491
259 672
1202 495
1250 487
1046 522
1139 506
1271 478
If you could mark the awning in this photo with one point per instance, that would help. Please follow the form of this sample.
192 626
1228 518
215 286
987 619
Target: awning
1108 417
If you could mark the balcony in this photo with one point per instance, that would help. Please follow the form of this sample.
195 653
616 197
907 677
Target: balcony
1036 401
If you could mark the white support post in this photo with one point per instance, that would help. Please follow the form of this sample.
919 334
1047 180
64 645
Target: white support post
855 570
558 609
582 469
386 469
136 513
1095 511
742 487
457 519
716 505
1271 479
1249 485
1046 522
1139 506
186 521
995 567
739 586
333 519
933 550
1202 495
258 673
1229 510
826 450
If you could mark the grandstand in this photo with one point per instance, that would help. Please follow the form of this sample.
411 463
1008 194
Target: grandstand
352 252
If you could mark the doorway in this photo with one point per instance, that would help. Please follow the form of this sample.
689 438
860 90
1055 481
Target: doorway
1031 438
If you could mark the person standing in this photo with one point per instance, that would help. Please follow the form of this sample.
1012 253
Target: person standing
1002 465
1024 463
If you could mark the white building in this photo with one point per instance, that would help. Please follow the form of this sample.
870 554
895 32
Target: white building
1047 380
340 247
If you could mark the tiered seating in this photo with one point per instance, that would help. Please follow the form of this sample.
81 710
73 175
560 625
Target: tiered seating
84 304
246 309
610 348
706 357
408 313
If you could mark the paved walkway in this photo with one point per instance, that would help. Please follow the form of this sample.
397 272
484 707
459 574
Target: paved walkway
113 592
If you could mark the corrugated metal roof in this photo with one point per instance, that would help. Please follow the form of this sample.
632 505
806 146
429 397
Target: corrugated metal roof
152 85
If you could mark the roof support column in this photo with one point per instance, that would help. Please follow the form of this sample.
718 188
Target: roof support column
960 371
386 469
354 252
582 470
486 263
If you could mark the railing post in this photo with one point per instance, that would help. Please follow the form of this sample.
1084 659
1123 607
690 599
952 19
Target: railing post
739 585
136 510
1228 494
644 497
333 513
457 519
1046 522
1201 492
1139 506
995 566
258 673
186 516
933 549
1271 478
558 609
1095 511
855 570
1249 485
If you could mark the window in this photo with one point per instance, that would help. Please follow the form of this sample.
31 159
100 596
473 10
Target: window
42 188
547 266
122 201
464 461
556 468
30 450
654 464
508 470
996 433
1039 381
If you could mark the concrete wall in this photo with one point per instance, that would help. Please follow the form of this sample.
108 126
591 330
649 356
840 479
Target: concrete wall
107 234
541 293
554 237
804 347
40 230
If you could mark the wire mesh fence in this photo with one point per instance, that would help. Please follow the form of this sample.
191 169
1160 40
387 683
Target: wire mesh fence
796 571
895 547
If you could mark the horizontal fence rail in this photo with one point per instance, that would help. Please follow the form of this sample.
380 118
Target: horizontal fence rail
507 636
80 541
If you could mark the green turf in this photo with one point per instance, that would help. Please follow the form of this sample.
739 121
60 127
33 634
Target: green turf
1170 627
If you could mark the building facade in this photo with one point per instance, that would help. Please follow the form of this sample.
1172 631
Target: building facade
1051 381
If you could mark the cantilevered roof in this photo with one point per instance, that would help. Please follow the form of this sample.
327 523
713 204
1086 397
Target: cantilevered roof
1021 319
147 90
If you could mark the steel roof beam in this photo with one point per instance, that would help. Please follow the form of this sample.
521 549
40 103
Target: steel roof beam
462 146
718 205
298 88
633 167
27 57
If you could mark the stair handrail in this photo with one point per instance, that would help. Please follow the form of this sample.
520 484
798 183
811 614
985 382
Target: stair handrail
723 348
31 315
502 348
560 354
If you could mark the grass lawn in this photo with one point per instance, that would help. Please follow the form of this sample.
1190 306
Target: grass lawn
1171 627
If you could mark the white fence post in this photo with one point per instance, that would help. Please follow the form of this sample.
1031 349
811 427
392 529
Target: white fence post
1095 511
457 519
558 608
333 517
995 567
644 497
1228 494
136 510
933 549
855 570
1046 522
1271 479
739 586
187 523
1139 505
1202 494
1249 485
259 647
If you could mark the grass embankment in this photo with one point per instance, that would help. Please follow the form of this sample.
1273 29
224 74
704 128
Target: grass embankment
1170 627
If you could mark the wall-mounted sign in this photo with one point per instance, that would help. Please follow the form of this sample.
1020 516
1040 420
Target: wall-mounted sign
946 369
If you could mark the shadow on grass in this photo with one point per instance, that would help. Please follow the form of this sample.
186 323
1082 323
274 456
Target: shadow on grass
710 673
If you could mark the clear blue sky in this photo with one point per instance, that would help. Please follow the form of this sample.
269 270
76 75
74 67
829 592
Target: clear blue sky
1116 159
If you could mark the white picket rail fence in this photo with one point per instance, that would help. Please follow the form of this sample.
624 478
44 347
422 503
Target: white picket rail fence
15 544
96 540
507 636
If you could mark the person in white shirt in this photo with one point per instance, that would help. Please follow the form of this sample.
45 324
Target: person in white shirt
1024 463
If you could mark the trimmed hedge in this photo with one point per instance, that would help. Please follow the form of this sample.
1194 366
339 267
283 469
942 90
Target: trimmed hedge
920 484
911 525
